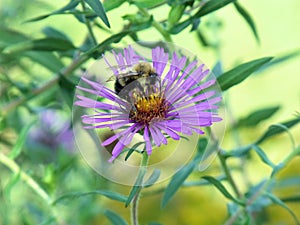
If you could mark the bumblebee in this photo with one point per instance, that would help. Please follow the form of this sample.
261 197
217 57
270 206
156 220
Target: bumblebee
140 70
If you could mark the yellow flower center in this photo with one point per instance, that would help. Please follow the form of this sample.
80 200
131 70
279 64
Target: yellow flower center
145 109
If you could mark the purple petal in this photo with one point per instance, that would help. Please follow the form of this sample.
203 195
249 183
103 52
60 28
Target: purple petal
169 131
116 151
91 103
159 135
116 136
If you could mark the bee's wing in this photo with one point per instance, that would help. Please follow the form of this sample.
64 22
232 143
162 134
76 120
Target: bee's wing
130 73
121 75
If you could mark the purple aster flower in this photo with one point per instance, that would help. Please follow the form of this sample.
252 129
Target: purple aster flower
51 132
169 100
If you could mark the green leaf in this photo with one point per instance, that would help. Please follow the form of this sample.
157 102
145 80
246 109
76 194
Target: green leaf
176 181
54 33
15 152
152 179
201 147
280 59
256 117
111 4
177 28
222 189
105 45
295 199
46 59
9 186
283 205
240 73
138 20
287 182
211 6
114 218
71 5
10 36
132 149
181 175
202 38
274 130
239 152
175 14
67 87
195 24
97 6
262 155
108 194
248 19
45 44
217 70
146 3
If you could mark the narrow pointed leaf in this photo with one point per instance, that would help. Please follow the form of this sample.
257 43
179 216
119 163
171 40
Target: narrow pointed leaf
71 5
182 174
262 155
10 36
111 4
132 149
176 182
147 3
280 59
240 73
108 194
47 59
295 199
222 189
98 8
202 38
283 205
175 14
211 6
152 179
274 130
54 33
114 218
248 19
17 149
45 44
177 28
258 116
9 186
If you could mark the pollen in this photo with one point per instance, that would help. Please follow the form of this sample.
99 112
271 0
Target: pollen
149 108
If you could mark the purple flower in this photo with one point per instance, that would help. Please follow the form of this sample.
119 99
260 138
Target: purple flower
51 132
172 100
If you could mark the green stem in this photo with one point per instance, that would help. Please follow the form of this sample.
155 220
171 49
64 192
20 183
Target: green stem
9 163
266 186
88 24
27 179
157 26
228 174
135 201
